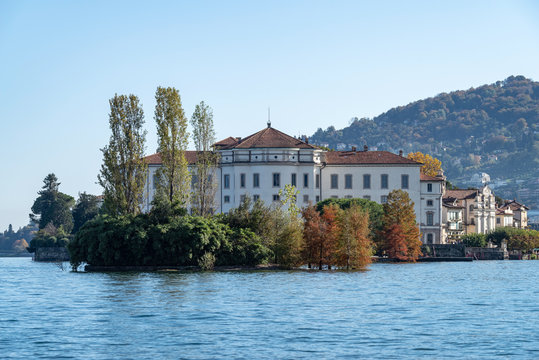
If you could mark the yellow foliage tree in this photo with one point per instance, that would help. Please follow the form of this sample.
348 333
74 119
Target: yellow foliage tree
431 165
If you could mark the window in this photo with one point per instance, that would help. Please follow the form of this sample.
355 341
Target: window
305 180
348 197
194 180
384 181
404 181
227 199
276 180
334 197
498 221
430 219
227 181
155 180
293 181
317 198
367 197
242 180
454 215
242 198
366 181
429 189
348 181
256 197
334 181
383 199
276 197
317 181
256 180
305 198
430 238
429 202
471 208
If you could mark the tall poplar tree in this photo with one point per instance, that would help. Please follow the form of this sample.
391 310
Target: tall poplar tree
205 185
123 172
173 177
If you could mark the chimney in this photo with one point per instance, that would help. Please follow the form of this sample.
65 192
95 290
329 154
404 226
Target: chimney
354 149
365 148
400 152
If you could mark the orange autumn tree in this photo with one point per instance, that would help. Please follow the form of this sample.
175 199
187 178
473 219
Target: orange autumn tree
354 246
320 233
395 242
312 233
330 231
399 210
431 166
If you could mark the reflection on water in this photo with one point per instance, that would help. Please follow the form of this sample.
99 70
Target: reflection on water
436 310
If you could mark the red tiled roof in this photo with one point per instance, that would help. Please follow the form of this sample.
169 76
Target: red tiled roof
514 205
424 177
451 205
227 142
155 159
270 138
461 194
366 157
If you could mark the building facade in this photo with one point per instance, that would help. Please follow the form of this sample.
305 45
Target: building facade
469 211
519 212
260 165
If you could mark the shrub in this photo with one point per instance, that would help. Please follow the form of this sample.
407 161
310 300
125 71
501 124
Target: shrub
474 240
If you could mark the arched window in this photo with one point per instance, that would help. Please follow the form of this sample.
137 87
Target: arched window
471 208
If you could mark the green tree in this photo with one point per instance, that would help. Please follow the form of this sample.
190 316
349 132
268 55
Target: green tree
123 172
53 206
173 177
288 196
205 185
354 248
87 208
399 210
474 240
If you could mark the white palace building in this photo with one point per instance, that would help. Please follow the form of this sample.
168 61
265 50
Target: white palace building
263 163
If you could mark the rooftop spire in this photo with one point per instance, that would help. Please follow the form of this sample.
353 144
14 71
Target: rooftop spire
269 118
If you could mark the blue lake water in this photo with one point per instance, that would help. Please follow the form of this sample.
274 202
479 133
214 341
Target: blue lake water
434 310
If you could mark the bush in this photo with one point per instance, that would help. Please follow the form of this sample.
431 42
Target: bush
49 236
242 247
206 261
474 240
172 241
517 239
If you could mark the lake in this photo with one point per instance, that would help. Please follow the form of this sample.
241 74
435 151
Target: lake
461 310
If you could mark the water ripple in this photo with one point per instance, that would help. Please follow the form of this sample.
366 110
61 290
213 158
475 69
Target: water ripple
437 310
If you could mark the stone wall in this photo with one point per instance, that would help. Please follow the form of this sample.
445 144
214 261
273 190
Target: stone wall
478 253
51 254
459 250
444 250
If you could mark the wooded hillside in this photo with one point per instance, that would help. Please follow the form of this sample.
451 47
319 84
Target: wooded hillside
492 128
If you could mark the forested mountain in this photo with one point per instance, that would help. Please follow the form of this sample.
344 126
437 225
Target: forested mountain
493 128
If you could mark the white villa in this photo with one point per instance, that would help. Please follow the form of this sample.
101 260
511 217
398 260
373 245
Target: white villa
263 163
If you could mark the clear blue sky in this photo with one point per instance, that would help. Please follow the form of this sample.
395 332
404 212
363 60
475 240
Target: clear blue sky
316 63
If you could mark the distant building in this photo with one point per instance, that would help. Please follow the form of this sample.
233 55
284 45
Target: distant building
504 217
478 210
519 211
